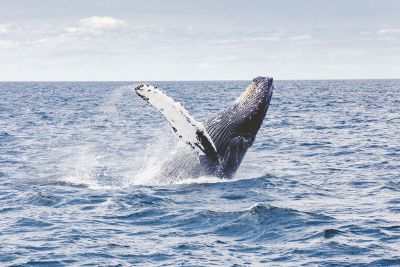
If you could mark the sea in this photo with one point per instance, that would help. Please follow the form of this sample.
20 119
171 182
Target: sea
319 187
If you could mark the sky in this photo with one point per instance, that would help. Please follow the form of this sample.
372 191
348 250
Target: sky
129 40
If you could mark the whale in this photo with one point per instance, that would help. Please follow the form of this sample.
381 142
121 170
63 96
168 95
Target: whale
217 146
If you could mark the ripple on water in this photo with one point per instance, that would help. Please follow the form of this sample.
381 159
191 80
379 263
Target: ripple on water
5 136
32 223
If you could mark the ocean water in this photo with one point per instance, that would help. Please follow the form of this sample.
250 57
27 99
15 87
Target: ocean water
319 187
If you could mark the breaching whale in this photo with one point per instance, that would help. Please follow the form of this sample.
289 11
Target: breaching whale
217 146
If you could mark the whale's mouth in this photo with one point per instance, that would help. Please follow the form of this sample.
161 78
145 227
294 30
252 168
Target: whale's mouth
250 89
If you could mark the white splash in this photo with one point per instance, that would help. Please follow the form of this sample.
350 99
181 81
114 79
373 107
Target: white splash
202 180
88 164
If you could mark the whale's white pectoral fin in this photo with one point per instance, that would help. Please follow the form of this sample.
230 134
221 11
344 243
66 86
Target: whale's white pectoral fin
185 126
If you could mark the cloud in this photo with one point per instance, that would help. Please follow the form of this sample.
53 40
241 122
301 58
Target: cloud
383 34
335 66
275 36
49 41
365 33
8 44
205 65
389 31
266 38
263 36
300 37
102 23
4 28
96 25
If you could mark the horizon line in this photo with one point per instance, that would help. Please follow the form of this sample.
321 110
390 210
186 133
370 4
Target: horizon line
205 80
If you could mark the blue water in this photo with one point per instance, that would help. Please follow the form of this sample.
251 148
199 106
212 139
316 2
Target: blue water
320 186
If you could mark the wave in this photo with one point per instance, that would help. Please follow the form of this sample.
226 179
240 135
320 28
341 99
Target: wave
261 222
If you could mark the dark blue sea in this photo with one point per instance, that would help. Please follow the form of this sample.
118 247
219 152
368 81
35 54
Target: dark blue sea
319 187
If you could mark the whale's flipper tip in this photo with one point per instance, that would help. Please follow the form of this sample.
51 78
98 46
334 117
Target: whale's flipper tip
141 90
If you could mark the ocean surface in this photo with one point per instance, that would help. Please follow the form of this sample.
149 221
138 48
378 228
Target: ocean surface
319 187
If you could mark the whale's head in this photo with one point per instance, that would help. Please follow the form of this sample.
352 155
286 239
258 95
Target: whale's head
234 130
250 108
